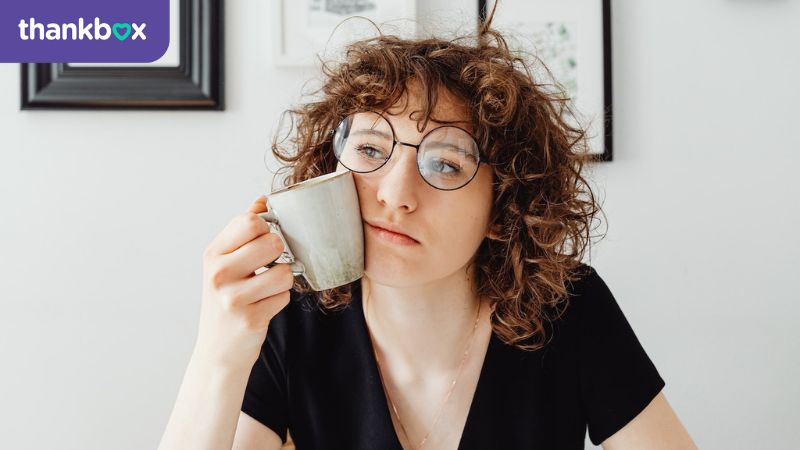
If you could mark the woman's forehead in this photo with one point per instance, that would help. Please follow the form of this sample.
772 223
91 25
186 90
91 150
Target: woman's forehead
447 109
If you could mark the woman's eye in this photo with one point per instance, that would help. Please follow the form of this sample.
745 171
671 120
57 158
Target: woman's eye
443 166
371 152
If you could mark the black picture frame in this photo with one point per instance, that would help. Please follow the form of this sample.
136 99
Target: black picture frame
608 132
197 83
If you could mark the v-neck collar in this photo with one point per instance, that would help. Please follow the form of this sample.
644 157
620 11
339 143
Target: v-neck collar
376 386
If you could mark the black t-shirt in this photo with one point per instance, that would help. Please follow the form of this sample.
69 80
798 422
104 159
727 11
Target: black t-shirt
317 376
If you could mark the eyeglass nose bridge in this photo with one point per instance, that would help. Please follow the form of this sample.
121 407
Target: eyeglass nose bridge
407 144
395 143
392 156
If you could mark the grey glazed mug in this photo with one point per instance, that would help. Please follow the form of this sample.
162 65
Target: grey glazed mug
319 221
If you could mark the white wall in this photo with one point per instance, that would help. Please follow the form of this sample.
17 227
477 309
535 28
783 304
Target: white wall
105 215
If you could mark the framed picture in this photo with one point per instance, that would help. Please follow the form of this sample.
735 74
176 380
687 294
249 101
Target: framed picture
188 76
573 40
307 28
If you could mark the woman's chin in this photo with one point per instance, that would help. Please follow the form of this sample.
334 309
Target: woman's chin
391 272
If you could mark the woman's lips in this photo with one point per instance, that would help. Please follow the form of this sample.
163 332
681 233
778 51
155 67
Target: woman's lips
390 236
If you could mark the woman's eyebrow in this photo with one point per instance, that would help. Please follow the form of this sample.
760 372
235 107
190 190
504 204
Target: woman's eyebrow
467 125
450 121
371 131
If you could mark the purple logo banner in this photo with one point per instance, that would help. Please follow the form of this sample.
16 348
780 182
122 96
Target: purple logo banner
90 31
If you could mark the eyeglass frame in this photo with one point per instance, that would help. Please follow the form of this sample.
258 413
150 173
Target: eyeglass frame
416 147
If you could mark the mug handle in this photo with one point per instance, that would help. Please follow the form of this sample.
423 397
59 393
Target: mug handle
297 267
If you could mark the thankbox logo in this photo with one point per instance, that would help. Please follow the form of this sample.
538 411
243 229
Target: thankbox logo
83 31
31 30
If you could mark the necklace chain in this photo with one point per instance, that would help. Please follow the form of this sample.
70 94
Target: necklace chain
449 391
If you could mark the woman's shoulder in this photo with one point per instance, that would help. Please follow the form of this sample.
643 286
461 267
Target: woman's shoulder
617 378
582 277
590 306
587 289
594 322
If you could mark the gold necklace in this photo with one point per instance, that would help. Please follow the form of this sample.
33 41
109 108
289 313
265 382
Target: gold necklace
449 391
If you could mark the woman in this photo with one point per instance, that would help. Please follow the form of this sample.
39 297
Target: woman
475 324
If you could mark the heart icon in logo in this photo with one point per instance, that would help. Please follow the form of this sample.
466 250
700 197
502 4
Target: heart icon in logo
121 26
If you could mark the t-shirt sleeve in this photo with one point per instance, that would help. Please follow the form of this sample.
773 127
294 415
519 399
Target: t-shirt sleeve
265 397
617 378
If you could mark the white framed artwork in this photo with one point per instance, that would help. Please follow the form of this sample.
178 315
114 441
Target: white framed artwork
304 29
573 39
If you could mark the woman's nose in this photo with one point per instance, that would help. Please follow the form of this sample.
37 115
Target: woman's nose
398 187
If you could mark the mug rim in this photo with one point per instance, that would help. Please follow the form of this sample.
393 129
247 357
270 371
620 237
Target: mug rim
309 183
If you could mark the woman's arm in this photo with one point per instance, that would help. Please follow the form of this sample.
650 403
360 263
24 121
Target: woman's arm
656 427
254 435
235 313
207 410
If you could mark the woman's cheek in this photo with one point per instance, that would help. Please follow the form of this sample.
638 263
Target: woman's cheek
365 194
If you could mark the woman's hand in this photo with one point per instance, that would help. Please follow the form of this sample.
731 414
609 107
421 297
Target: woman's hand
238 304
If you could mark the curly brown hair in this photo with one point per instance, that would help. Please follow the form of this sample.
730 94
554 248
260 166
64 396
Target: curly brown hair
541 222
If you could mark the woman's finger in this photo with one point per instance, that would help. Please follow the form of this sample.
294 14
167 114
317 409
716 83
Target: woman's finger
259 205
239 231
274 281
251 256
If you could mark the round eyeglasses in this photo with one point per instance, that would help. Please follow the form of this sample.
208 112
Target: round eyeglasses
447 156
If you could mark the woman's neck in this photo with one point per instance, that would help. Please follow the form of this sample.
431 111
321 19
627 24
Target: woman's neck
422 328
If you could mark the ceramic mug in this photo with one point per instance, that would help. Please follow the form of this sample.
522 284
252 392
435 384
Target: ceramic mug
319 221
